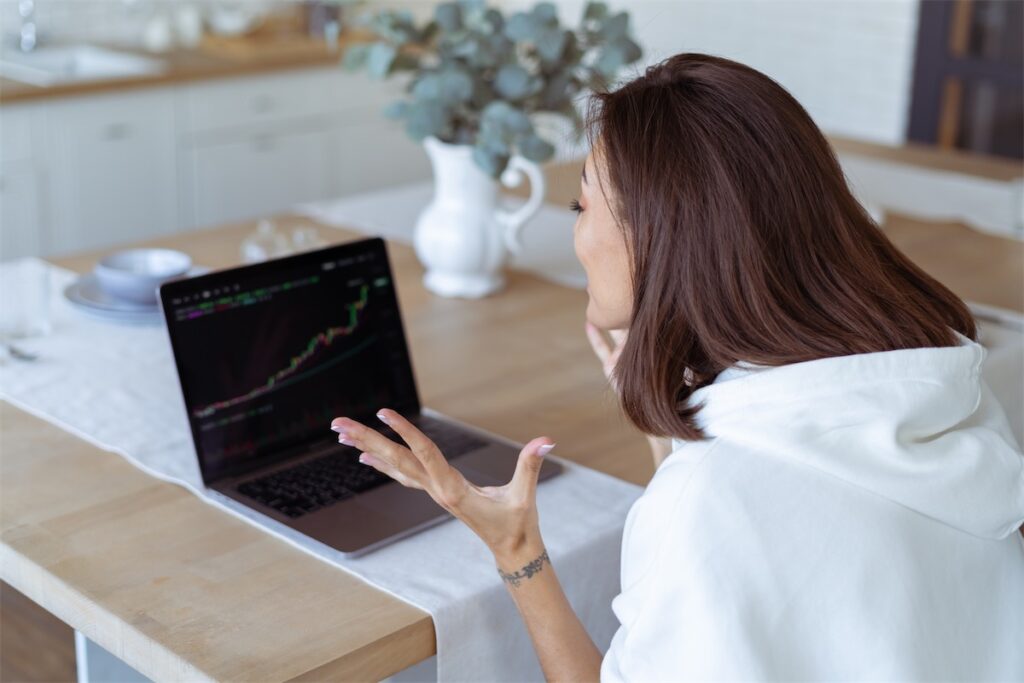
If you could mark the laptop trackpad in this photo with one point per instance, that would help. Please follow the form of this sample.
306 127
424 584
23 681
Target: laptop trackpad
484 469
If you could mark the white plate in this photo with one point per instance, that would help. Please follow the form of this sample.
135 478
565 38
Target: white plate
87 296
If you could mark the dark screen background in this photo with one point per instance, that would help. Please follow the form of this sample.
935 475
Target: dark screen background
267 363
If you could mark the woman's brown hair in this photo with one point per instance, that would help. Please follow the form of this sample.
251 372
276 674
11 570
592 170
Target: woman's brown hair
746 243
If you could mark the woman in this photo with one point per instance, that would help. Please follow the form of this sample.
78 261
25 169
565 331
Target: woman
843 493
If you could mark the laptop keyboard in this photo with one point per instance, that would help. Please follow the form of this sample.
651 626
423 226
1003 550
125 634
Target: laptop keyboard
337 475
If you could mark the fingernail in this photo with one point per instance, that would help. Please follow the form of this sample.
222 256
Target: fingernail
365 459
544 450
338 429
342 439
382 417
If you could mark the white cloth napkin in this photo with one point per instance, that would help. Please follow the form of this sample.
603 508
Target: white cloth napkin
116 387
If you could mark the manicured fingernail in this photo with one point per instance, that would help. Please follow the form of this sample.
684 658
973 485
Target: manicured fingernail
544 450
382 417
347 442
337 428
365 459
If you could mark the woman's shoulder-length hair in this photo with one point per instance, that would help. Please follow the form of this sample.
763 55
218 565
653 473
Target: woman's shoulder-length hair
746 243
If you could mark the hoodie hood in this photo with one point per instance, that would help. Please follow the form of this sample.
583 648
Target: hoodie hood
918 426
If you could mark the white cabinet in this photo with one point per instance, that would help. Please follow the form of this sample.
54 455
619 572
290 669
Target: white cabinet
113 169
248 101
255 145
22 225
259 145
260 174
89 171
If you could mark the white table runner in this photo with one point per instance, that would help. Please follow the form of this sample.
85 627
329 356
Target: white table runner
116 387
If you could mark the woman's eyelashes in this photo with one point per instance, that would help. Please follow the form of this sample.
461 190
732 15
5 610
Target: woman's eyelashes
574 205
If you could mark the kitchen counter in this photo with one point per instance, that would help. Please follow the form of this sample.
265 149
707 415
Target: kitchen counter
213 58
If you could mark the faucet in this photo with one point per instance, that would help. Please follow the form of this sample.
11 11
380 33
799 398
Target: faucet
27 37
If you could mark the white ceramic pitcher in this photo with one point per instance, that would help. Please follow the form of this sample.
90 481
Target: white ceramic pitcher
462 238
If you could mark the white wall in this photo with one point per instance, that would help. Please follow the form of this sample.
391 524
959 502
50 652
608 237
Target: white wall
848 62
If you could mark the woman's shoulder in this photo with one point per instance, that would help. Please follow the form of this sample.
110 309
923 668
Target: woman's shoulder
704 490
650 523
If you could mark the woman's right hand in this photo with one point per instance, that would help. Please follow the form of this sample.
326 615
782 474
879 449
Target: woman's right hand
607 353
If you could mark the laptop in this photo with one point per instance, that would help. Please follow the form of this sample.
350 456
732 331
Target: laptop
268 354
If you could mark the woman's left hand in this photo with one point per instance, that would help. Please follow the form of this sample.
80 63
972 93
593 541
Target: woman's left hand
504 517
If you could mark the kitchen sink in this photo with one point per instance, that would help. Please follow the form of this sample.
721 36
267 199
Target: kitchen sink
71 63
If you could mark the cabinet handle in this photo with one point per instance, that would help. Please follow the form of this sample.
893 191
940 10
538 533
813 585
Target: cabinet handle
116 131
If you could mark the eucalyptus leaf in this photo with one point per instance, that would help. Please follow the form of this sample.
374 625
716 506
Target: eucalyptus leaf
494 20
613 57
631 51
379 58
492 163
355 56
450 86
522 27
546 13
427 118
507 116
478 75
389 26
615 26
557 90
595 11
448 16
514 82
551 44
494 138
535 148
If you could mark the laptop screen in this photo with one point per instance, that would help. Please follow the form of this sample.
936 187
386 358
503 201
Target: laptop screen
268 354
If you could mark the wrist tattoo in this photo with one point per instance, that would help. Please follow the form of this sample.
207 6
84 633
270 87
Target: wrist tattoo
527 571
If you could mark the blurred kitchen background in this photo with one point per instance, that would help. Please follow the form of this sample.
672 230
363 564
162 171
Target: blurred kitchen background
127 119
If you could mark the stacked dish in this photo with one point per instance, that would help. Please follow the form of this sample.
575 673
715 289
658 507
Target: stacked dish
123 286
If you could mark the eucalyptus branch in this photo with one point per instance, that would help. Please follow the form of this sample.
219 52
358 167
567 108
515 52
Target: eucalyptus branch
479 76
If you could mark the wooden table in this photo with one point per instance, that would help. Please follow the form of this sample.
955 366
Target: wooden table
179 590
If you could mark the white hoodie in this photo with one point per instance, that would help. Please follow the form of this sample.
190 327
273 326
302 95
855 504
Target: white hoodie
850 518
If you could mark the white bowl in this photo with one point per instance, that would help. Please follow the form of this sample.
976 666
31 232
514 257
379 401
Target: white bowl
135 274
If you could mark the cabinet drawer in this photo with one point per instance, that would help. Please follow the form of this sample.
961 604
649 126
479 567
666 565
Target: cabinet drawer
112 174
259 175
253 100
